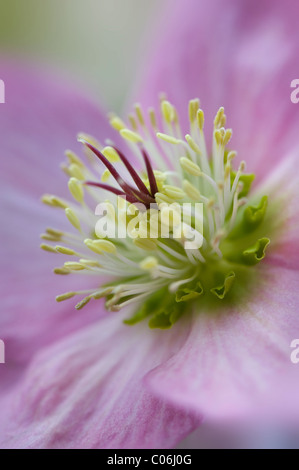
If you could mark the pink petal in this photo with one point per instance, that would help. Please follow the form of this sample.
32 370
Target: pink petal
86 391
282 189
240 55
238 363
39 121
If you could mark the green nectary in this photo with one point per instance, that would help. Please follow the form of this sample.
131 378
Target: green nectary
218 280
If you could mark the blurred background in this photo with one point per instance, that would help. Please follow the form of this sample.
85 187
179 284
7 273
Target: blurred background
97 42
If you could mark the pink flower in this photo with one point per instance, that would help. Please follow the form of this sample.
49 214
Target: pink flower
84 379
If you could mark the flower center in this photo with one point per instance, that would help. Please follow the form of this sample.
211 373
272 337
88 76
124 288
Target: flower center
179 227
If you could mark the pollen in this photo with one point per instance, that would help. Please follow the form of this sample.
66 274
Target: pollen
163 223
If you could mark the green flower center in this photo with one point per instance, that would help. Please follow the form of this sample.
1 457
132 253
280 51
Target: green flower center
181 231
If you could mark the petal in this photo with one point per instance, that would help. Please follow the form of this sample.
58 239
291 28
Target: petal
240 55
38 122
86 391
237 362
282 189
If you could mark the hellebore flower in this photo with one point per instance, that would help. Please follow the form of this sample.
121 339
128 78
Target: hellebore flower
221 314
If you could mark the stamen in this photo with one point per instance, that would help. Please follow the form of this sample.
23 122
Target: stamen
76 189
139 114
154 261
49 248
189 166
73 218
131 136
168 138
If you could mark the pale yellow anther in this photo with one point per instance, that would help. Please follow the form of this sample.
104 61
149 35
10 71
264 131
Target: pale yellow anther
193 107
175 116
104 246
200 118
162 198
74 266
82 137
227 136
53 201
58 202
146 182
54 232
117 123
153 119
133 122
83 303
223 121
66 296
102 293
48 237
105 175
168 138
76 189
218 118
90 262
242 165
113 307
167 111
231 155
149 263
219 115
160 176
73 158
89 243
227 171
64 250
191 190
65 169
192 144
220 185
72 218
62 271
131 136
139 114
145 244
173 192
49 248
76 171
190 167
218 137
111 154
